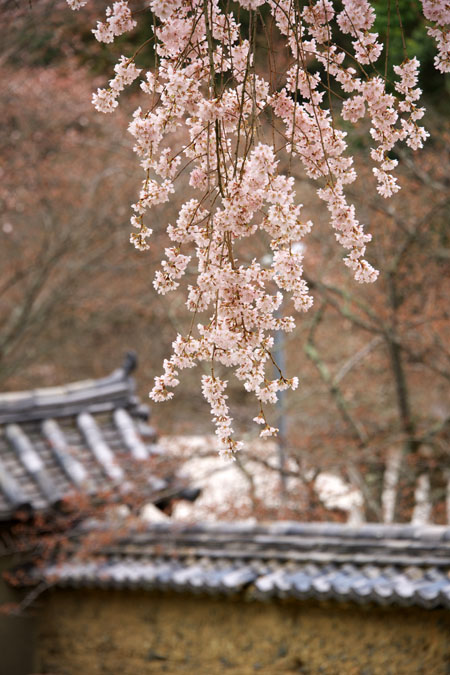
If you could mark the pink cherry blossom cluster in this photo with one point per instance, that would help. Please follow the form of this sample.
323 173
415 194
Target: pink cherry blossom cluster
242 131
438 12
76 4
118 21
105 100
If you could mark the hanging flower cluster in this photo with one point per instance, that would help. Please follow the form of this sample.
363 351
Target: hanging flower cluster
240 127
438 12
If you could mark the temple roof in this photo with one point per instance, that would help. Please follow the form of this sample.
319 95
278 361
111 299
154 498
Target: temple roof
77 437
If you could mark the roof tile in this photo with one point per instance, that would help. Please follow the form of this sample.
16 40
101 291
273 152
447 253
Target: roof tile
231 558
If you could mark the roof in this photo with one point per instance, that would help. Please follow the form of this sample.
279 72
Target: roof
58 440
382 564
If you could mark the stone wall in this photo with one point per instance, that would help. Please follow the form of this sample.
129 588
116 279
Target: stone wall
135 633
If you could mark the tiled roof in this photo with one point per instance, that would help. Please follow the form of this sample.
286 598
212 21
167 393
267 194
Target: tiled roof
382 564
76 437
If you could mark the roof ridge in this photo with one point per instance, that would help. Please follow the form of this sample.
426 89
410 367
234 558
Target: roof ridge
288 528
92 395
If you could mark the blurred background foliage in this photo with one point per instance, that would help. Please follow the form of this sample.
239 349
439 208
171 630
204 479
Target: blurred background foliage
74 295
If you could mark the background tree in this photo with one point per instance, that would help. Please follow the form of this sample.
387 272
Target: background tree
375 409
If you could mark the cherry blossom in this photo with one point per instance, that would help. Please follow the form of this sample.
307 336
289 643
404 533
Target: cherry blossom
207 111
438 11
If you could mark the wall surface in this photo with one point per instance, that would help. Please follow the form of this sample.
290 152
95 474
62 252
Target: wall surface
135 633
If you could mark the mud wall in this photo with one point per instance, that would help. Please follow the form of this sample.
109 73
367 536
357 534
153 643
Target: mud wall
135 633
